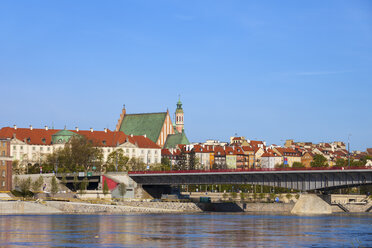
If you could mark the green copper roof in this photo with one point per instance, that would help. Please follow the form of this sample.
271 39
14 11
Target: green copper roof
62 136
176 139
140 124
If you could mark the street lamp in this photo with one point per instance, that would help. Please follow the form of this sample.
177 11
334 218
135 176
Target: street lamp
348 149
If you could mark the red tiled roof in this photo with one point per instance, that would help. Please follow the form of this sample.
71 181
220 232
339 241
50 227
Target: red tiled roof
100 138
369 151
256 142
219 150
34 136
247 148
166 152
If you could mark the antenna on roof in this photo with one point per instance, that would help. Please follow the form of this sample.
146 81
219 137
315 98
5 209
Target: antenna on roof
52 124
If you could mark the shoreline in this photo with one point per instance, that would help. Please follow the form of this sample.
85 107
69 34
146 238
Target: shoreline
62 207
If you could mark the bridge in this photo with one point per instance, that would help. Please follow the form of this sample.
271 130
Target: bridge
298 179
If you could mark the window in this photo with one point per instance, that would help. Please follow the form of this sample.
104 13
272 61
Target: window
41 149
3 184
33 148
14 147
43 140
3 153
21 147
104 142
4 144
48 149
127 150
3 173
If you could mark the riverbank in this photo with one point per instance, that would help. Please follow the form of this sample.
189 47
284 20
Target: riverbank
58 207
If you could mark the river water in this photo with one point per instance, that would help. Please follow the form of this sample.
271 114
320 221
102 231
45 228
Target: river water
186 230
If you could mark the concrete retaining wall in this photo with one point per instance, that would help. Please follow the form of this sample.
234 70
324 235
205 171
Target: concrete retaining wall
21 207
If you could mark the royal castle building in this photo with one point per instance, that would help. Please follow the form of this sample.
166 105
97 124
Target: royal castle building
138 135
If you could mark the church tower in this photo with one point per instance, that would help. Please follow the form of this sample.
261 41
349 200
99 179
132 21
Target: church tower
179 116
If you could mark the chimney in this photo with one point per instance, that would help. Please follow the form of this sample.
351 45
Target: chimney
77 129
131 135
105 130
46 128
144 135
91 129
30 127
15 127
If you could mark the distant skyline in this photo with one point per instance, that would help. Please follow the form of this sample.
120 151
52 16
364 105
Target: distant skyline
264 70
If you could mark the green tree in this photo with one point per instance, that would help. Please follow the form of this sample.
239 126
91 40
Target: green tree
122 190
166 162
78 154
224 196
192 160
75 182
105 188
341 162
25 186
181 161
15 167
281 166
116 159
289 196
272 196
242 196
298 165
54 186
261 196
233 195
36 185
319 161
16 181
83 186
136 164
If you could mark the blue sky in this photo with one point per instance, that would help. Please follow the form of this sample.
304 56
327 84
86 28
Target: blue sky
268 70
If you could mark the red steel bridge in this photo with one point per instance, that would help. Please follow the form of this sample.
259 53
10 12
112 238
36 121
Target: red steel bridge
323 179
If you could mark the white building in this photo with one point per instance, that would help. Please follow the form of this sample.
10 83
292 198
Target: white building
31 146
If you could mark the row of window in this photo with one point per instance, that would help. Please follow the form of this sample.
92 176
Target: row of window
33 148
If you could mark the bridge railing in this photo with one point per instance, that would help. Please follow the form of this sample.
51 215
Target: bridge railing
248 170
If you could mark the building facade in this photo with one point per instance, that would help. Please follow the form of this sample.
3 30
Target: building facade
5 165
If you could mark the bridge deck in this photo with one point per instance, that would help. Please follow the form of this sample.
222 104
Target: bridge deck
304 180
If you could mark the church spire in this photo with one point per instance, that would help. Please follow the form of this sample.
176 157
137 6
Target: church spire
179 116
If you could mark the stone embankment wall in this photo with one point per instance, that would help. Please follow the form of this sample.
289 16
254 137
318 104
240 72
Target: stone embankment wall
22 207
74 207
47 181
269 207
184 206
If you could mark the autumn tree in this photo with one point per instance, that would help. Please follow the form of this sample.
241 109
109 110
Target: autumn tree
122 190
116 161
105 188
298 165
319 161
78 154
136 164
